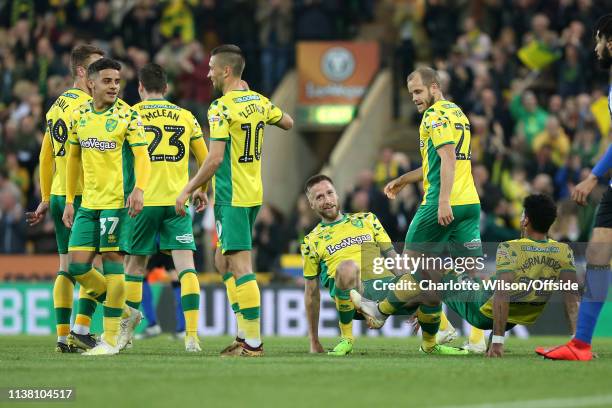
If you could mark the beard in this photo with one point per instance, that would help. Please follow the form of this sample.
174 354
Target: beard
605 62
329 213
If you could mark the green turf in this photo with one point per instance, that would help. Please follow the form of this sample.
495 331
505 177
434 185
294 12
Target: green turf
380 373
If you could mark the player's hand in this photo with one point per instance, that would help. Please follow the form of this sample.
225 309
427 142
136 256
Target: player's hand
393 188
33 218
316 347
135 202
180 203
583 189
445 214
496 350
68 217
200 200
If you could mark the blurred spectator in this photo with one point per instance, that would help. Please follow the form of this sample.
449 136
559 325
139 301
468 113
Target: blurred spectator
366 196
267 239
302 221
476 43
275 21
571 75
137 27
440 23
585 146
12 223
555 137
387 167
530 118
543 163
193 92
177 21
313 22
566 227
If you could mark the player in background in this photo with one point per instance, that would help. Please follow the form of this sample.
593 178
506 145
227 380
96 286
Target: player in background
237 121
339 255
450 211
599 249
108 142
52 168
172 133
532 258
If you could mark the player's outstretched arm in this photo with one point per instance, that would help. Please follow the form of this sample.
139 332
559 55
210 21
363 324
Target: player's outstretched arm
73 168
286 122
570 299
312 301
204 174
45 170
501 306
395 186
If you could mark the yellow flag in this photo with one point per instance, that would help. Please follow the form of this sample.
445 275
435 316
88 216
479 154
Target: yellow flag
537 55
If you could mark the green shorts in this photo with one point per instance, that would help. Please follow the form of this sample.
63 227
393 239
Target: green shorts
62 234
461 237
235 226
467 303
175 232
101 230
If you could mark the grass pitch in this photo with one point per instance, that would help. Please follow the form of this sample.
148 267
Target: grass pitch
380 373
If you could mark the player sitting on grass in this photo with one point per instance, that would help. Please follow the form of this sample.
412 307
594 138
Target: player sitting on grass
532 259
337 253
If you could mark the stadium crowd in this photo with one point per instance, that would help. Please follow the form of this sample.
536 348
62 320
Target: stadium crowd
523 71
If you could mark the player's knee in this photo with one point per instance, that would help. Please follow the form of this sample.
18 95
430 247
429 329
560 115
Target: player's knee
112 257
346 275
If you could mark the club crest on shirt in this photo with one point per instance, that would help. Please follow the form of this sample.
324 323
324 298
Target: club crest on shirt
111 124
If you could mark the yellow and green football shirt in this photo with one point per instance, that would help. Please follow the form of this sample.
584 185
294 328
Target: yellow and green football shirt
169 130
444 123
530 261
358 237
58 127
239 118
105 139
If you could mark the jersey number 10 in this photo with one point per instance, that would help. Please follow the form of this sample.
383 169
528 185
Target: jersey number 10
247 157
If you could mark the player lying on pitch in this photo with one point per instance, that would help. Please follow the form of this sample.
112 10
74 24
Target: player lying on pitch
530 259
337 254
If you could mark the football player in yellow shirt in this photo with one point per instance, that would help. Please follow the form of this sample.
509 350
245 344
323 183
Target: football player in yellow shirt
108 142
343 253
450 211
237 121
52 168
172 133
533 267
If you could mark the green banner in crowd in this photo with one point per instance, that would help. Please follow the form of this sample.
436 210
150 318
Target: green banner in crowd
27 308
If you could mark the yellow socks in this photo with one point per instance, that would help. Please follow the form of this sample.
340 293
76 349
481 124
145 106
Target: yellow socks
133 290
429 319
444 323
115 300
190 300
346 311
88 277
247 293
63 290
232 297
476 335
396 299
